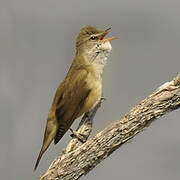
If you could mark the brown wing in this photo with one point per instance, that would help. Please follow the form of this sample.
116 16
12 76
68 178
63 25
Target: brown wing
71 96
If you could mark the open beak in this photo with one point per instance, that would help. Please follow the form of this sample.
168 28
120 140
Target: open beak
101 37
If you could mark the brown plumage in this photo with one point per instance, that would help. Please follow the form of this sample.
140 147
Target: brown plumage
82 87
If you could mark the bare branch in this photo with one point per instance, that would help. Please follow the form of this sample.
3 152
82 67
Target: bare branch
79 159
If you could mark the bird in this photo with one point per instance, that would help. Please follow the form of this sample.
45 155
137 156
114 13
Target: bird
81 88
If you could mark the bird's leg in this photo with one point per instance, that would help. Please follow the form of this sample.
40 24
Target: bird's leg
88 115
77 135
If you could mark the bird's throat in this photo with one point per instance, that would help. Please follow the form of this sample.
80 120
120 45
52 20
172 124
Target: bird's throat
98 54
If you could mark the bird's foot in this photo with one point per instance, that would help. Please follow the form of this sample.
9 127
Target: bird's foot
80 137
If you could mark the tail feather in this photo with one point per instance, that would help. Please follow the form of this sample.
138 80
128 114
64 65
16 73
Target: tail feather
38 159
49 135
43 149
60 133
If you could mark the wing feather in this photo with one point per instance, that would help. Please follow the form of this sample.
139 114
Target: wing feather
70 101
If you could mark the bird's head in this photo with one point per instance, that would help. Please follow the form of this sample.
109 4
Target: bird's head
92 42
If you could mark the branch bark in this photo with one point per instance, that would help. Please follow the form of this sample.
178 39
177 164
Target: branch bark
79 158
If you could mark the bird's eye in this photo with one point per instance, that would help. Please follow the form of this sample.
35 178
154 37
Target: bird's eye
93 38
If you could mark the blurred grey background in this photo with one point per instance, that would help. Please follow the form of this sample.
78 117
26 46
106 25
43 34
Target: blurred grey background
37 45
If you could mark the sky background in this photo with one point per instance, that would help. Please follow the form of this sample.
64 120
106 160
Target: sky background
37 45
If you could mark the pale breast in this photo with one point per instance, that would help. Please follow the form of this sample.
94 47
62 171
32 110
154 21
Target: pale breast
94 96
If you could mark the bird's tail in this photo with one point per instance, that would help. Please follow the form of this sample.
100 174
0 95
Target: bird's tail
49 135
38 159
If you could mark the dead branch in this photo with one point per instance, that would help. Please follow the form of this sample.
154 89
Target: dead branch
79 158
